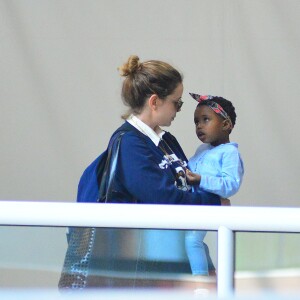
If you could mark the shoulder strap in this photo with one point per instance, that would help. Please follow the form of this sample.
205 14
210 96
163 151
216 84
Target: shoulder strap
106 173
107 167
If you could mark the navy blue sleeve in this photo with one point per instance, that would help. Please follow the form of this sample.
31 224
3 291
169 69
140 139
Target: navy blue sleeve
139 173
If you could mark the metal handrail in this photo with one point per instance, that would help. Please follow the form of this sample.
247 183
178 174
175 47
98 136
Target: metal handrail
226 220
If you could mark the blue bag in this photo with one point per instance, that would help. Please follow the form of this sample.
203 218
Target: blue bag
96 180
88 187
95 185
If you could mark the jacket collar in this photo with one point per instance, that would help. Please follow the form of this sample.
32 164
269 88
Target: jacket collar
155 136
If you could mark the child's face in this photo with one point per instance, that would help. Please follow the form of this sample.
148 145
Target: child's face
210 127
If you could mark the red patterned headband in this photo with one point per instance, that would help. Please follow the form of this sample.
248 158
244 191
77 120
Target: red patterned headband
217 108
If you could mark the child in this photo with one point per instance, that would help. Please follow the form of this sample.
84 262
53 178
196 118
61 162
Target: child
216 167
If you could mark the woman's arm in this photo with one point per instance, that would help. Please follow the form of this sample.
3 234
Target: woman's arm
139 172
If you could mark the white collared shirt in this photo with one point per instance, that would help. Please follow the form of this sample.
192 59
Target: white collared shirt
145 129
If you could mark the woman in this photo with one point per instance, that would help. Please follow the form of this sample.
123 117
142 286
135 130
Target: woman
152 90
147 166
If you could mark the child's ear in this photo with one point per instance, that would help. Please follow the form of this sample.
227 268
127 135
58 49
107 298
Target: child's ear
227 125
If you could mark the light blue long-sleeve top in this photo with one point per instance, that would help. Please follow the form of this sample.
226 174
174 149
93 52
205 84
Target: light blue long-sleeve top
221 168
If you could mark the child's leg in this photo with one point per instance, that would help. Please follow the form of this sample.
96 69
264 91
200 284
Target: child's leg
196 252
211 267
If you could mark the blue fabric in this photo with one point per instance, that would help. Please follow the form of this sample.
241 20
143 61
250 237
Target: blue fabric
88 187
142 176
198 253
99 174
221 168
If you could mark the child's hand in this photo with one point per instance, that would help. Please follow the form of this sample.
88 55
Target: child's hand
192 178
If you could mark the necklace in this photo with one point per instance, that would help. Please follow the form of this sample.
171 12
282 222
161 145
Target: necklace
171 157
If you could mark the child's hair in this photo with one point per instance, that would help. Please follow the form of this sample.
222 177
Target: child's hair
226 105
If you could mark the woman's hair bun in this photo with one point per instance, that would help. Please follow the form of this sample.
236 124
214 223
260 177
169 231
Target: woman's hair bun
131 66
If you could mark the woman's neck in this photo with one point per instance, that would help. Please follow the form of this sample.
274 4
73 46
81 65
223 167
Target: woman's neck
148 121
146 118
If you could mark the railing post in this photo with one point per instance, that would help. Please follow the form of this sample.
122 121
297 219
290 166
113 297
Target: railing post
225 272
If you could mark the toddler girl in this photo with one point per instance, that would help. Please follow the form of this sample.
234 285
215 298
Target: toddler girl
216 167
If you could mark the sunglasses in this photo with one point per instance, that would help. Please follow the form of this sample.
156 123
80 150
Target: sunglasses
178 104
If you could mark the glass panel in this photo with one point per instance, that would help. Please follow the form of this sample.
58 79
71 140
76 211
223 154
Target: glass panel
267 261
134 258
31 256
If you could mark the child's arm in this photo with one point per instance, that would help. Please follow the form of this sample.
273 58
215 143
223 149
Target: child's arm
194 179
230 178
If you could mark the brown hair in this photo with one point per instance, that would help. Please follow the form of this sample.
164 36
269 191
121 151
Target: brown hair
144 79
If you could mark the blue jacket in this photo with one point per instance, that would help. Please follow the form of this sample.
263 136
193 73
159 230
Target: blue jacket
139 176
221 168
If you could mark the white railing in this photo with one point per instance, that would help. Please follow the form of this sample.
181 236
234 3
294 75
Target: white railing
226 220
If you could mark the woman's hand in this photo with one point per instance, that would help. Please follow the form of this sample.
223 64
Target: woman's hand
225 202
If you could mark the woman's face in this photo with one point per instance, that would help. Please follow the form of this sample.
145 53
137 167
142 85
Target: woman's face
167 108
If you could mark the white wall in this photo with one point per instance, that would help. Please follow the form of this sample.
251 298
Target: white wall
60 88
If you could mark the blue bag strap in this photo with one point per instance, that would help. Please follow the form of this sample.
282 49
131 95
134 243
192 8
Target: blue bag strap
106 173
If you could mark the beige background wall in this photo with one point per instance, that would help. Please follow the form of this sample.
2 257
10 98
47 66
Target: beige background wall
60 88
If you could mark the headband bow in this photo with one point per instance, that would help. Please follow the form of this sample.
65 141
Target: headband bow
217 108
